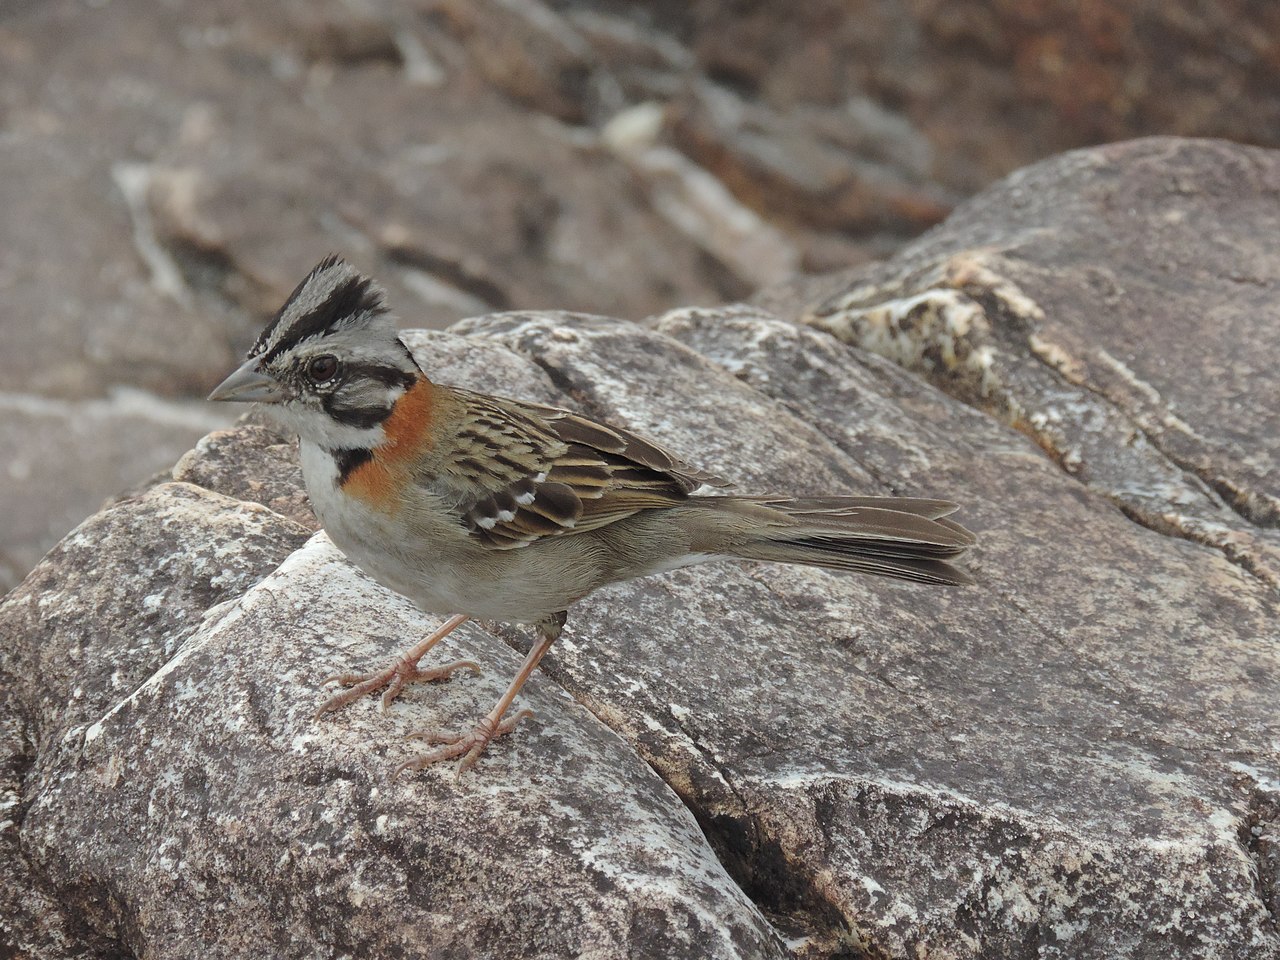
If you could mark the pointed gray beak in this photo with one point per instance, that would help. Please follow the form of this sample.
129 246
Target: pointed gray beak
248 385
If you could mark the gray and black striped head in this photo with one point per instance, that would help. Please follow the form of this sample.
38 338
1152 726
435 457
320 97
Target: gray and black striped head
330 363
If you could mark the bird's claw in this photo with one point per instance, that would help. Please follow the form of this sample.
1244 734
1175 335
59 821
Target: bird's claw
468 745
395 678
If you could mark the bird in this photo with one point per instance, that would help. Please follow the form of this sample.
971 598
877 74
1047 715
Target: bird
483 507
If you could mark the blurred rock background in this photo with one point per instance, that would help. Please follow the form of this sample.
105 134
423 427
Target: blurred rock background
168 170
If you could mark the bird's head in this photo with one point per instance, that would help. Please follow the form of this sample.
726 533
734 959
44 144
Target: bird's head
330 364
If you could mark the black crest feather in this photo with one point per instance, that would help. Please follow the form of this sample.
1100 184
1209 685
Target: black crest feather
352 294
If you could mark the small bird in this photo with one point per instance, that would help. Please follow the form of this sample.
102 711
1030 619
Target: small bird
476 506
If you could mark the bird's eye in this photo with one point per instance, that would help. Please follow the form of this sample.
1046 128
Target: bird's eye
322 369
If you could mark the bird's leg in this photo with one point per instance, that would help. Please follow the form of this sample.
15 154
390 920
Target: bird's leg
400 674
471 744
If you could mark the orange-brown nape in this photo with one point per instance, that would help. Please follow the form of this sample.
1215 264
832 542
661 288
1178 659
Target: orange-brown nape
407 431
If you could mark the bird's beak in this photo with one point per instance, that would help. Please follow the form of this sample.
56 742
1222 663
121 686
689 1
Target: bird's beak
249 385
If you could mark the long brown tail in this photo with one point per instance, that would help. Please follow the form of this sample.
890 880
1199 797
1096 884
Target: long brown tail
901 537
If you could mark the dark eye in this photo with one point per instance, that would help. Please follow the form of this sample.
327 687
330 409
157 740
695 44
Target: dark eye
322 369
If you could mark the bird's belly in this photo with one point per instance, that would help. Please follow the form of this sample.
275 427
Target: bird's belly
471 580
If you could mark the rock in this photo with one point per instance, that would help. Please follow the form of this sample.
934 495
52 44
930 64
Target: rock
252 462
808 167
632 874
118 618
63 458
208 780
1071 301
529 52
482 365
856 741
1074 759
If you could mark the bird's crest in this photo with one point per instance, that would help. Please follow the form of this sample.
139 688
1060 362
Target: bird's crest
334 296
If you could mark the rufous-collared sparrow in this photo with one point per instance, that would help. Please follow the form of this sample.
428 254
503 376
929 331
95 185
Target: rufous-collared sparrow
479 506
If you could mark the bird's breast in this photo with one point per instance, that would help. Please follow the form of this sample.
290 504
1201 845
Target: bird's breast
421 549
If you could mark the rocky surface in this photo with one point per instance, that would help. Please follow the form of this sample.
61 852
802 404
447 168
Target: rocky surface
63 458
1121 312
169 171
317 854
1076 758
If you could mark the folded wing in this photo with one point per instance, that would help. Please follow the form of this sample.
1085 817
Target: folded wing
525 471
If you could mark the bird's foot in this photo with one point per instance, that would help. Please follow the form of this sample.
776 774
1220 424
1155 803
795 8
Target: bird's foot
395 678
468 745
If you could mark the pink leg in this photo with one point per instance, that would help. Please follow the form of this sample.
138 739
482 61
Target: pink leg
472 743
399 675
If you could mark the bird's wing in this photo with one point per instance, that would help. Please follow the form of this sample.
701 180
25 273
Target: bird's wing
522 472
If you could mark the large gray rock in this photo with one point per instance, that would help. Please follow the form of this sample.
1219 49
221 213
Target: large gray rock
1077 758
214 790
1118 306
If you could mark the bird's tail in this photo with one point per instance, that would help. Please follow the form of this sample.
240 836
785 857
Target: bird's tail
901 537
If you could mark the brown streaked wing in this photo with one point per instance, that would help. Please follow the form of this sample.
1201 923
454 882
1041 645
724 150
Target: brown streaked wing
573 428
530 472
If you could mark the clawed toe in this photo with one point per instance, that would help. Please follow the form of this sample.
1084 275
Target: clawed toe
395 678
358 683
468 745
406 674
399 675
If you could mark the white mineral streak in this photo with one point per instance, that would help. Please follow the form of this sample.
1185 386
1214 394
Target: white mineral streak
134 181
420 68
693 200
1150 394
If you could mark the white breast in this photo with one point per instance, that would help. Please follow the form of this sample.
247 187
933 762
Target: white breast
373 540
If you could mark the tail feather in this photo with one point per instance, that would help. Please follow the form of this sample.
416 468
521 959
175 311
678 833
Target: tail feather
916 570
918 506
904 538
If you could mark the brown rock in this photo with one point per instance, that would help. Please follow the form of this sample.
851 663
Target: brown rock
992 87
838 170
528 52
